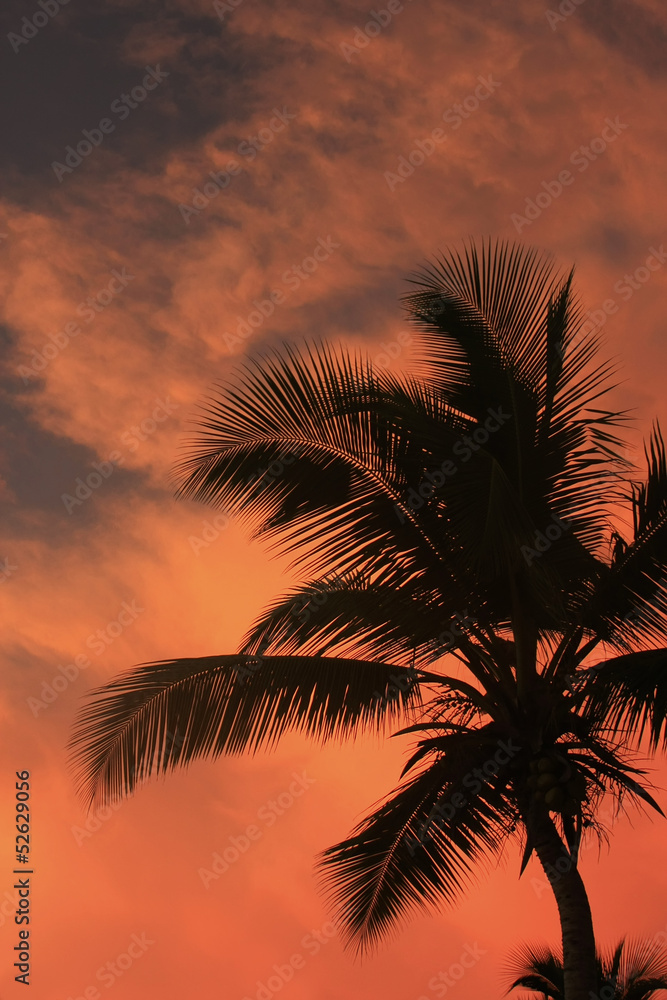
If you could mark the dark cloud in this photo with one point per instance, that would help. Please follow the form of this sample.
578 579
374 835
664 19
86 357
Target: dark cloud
66 78
631 31
38 467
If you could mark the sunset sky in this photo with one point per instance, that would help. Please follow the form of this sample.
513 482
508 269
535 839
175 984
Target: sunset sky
347 149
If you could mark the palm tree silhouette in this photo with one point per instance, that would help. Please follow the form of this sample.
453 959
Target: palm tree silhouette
633 970
454 531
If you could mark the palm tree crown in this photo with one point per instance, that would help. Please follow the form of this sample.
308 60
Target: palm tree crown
461 563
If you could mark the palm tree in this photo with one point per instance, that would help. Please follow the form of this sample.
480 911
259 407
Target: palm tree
460 564
631 971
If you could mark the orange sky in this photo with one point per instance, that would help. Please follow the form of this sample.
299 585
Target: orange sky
333 122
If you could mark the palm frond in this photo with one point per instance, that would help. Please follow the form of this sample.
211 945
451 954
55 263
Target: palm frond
380 618
303 447
628 605
642 968
164 715
422 846
630 693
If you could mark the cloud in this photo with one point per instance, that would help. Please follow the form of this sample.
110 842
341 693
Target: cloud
166 335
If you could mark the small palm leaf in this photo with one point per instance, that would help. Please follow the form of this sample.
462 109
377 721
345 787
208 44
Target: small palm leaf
539 970
642 969
632 970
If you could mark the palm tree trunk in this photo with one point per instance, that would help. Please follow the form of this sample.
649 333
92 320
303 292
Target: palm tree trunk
574 910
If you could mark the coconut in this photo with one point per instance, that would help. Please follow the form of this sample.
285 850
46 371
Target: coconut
547 764
547 780
555 798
